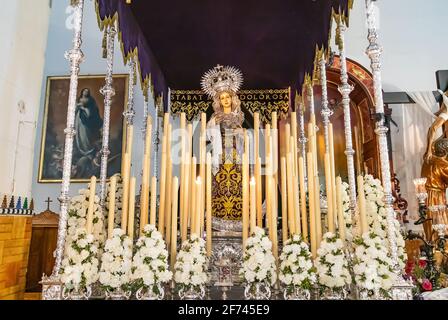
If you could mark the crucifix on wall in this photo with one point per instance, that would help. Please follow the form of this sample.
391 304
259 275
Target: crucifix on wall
48 201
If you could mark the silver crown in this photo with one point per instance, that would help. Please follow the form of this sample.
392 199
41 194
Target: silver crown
221 79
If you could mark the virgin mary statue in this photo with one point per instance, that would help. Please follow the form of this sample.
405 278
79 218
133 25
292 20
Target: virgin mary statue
225 132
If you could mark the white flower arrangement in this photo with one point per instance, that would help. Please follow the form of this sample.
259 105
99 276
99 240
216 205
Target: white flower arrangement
347 211
150 263
191 264
377 216
331 263
116 264
296 266
80 264
258 261
77 216
118 201
372 265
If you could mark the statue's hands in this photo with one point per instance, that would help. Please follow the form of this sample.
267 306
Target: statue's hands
216 118
428 156
239 131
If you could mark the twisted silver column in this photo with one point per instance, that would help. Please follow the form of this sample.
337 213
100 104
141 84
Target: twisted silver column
51 286
108 92
345 89
326 112
401 289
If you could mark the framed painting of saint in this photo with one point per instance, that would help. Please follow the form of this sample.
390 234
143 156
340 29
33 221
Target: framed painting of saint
89 118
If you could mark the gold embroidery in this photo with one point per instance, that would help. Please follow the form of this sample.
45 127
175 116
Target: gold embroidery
227 201
193 102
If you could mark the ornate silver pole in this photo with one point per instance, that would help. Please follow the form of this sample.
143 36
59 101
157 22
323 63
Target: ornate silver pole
310 96
144 130
157 140
129 114
108 92
51 286
345 89
401 290
302 136
145 115
326 112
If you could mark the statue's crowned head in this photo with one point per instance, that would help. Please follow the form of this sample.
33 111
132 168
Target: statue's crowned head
222 84
221 79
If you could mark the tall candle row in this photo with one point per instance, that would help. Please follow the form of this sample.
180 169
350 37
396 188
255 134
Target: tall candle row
195 187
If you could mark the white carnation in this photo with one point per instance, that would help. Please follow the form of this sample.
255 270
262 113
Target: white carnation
258 261
296 267
150 263
116 264
331 264
191 263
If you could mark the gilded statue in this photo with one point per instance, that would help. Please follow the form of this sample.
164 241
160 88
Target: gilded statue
435 169
226 135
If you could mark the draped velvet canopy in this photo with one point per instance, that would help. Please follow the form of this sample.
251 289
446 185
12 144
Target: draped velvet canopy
273 42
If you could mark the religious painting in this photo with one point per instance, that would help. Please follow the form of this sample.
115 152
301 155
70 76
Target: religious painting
88 125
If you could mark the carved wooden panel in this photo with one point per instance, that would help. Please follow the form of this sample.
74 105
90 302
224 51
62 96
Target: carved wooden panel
43 244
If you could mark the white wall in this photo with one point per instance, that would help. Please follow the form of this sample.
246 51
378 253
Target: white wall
59 41
23 38
414 36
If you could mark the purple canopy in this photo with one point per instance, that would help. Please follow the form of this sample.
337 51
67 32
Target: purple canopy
273 42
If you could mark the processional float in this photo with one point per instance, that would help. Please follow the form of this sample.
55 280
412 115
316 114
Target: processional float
166 199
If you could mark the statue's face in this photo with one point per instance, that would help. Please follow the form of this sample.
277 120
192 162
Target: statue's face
226 101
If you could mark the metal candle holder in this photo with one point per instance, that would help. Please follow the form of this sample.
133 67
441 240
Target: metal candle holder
421 195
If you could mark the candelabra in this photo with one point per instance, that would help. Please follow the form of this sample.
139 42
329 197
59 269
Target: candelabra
436 240
422 195
439 227
428 248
